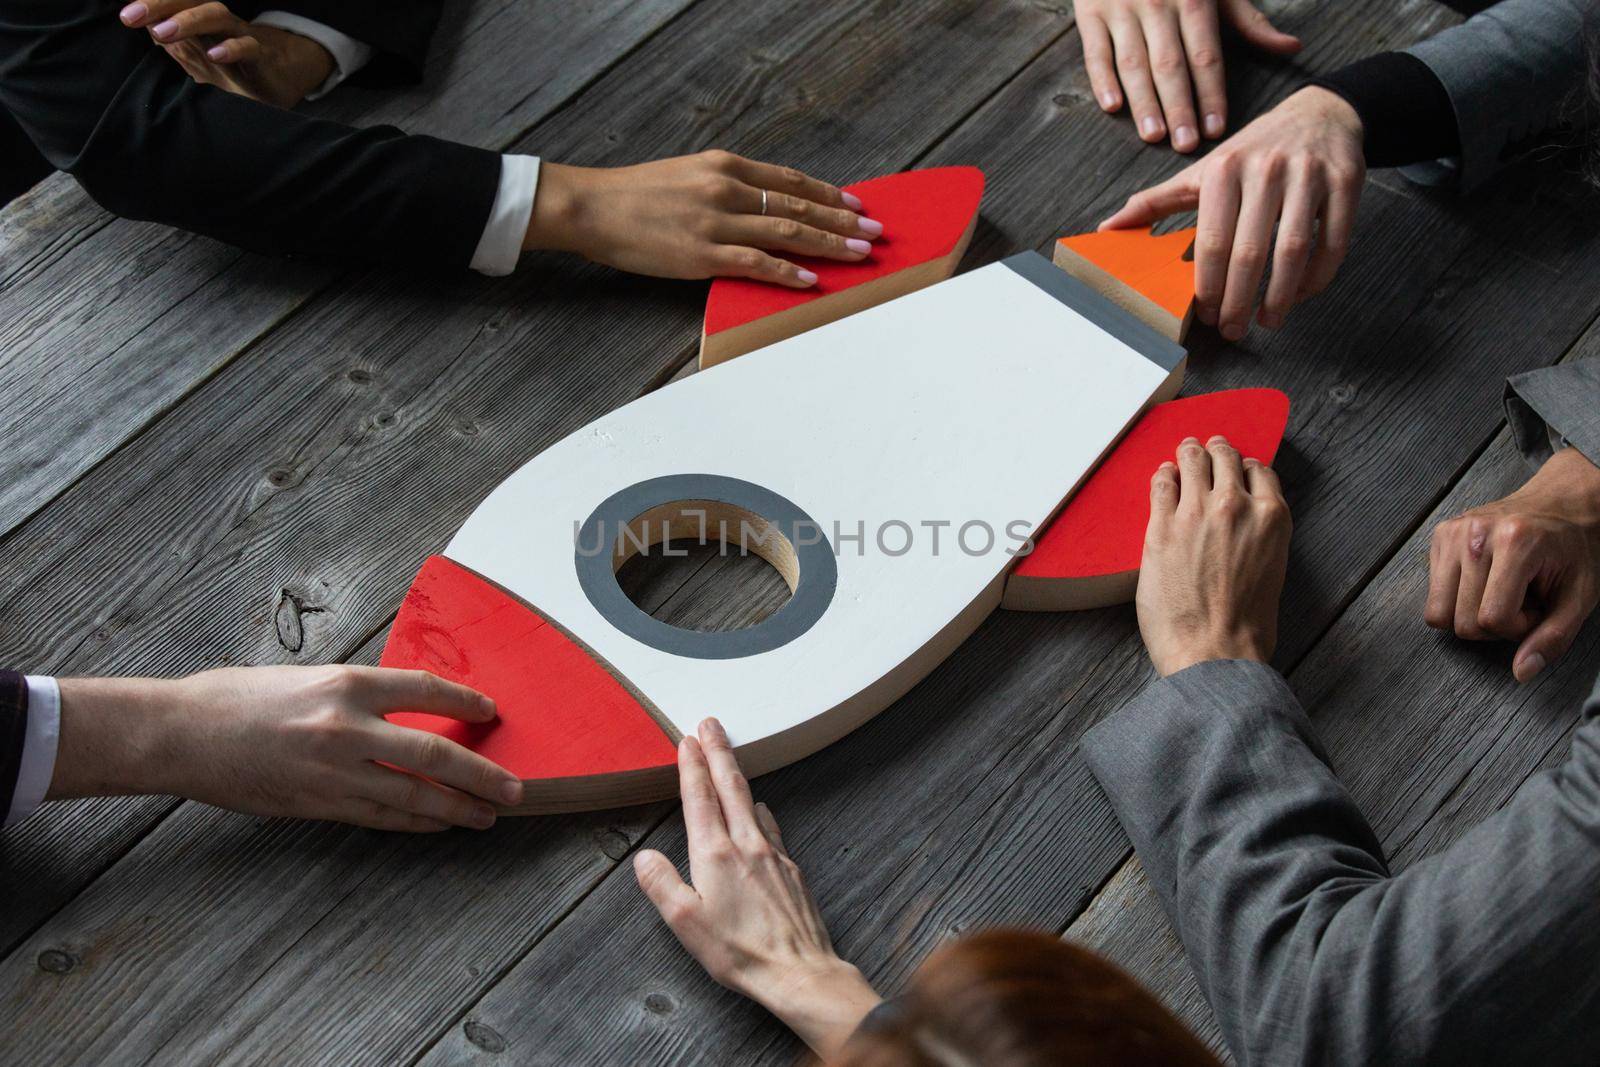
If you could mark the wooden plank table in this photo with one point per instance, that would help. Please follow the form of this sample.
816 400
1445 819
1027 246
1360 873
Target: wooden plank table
195 435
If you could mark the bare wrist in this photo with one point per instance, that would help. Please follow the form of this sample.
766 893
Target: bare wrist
308 62
119 736
1573 484
559 207
822 1004
1333 108
1204 651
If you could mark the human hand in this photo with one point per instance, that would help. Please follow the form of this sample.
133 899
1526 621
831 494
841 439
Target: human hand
1525 568
748 918
217 48
699 216
1300 168
1214 558
1158 47
308 742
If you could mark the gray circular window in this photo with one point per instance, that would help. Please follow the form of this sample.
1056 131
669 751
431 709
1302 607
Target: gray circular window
708 507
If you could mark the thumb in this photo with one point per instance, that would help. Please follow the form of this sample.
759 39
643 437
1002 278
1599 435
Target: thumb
1550 639
661 883
1178 193
1254 26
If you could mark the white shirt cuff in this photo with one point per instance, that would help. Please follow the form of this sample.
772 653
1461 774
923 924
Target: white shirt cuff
349 55
38 748
501 244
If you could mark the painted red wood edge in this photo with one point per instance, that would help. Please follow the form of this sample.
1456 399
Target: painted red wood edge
1100 531
924 213
561 713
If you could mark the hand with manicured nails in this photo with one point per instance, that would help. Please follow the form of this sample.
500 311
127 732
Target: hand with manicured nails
215 47
1525 568
307 742
1297 169
699 216
1215 554
1156 48
748 917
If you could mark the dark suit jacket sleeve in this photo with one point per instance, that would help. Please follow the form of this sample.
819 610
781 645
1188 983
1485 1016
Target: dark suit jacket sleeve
1554 407
1308 949
1511 73
398 31
13 734
1462 104
102 103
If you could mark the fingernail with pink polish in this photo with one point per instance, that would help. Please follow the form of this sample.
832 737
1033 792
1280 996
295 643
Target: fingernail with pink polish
1213 125
851 201
162 30
133 13
219 53
871 227
807 277
857 245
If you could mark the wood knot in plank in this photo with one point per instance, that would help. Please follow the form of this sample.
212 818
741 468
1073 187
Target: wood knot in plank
57 961
289 620
660 1004
484 1036
613 842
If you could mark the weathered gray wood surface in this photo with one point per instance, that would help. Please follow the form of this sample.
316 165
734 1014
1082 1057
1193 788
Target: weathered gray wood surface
275 487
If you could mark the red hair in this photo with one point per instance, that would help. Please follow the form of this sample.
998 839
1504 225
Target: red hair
1014 998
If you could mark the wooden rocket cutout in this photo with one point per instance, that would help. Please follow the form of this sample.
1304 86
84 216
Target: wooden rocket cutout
563 716
1145 275
904 414
1088 557
928 217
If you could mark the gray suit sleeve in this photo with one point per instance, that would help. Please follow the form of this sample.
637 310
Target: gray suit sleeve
1553 407
1309 950
1511 73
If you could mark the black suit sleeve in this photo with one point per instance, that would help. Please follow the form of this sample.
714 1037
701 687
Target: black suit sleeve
398 31
104 104
1405 111
13 734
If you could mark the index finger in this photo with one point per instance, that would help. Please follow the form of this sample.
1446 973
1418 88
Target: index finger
790 180
386 689
1213 239
733 789
1444 575
149 12
702 812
